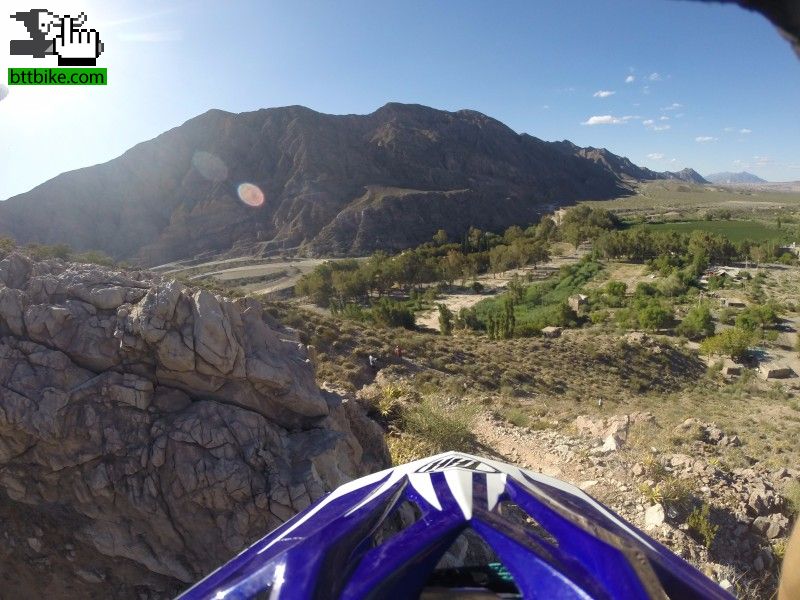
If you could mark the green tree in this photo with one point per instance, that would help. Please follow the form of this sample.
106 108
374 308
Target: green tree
733 342
389 313
317 285
513 233
516 288
440 237
697 323
653 315
445 320
507 319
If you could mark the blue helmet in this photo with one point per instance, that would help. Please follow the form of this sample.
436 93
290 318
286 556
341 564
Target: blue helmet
561 543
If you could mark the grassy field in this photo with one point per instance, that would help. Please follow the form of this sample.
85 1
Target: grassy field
735 231
674 200
541 304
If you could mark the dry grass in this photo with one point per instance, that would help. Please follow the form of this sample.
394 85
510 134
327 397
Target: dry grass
536 382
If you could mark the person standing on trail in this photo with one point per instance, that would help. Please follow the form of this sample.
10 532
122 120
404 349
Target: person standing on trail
373 362
398 351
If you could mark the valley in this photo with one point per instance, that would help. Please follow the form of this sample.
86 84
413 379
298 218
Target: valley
644 347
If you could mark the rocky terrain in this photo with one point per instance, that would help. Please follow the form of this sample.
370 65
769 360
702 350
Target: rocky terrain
327 183
148 432
659 490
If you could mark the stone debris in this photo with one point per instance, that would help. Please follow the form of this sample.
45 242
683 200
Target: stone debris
746 503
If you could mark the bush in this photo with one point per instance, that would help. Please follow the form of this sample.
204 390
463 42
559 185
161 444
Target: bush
653 315
701 527
626 317
94 257
477 287
406 448
753 317
440 429
468 319
445 320
42 252
527 330
792 494
672 286
733 342
389 313
7 246
698 323
669 491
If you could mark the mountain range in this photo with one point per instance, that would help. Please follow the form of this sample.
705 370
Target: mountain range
734 178
320 183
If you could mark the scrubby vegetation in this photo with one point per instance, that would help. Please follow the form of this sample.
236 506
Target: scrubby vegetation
60 251
700 525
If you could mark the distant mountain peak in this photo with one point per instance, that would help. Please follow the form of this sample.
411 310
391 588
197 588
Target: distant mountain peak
734 178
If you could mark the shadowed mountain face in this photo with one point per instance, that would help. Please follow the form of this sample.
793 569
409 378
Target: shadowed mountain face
340 184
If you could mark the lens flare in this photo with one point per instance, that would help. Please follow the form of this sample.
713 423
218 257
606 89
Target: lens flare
210 166
3 91
250 194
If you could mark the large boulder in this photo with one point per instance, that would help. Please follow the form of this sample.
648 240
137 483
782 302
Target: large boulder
162 429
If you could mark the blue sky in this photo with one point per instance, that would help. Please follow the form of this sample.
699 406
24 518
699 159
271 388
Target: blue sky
683 83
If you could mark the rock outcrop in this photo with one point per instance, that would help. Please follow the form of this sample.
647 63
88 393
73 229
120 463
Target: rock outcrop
162 428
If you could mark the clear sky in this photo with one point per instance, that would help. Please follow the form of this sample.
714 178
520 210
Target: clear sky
668 83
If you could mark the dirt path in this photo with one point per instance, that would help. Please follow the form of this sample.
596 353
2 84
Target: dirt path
521 447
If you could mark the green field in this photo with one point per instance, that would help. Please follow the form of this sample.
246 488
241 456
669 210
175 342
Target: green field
735 231
674 200
543 303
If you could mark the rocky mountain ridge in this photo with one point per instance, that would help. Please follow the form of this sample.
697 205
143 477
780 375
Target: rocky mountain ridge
327 184
148 432
622 167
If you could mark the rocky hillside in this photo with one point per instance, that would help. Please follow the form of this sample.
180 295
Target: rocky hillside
330 183
148 432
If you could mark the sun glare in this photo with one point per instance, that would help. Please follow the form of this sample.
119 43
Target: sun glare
251 194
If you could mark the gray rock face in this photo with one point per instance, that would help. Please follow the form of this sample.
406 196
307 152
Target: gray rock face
173 427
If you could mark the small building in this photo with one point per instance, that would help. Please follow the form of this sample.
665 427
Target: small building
733 273
578 301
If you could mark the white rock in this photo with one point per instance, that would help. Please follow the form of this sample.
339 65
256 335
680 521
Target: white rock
654 516
611 444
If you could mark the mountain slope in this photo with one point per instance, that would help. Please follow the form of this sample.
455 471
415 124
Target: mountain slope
330 184
740 177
